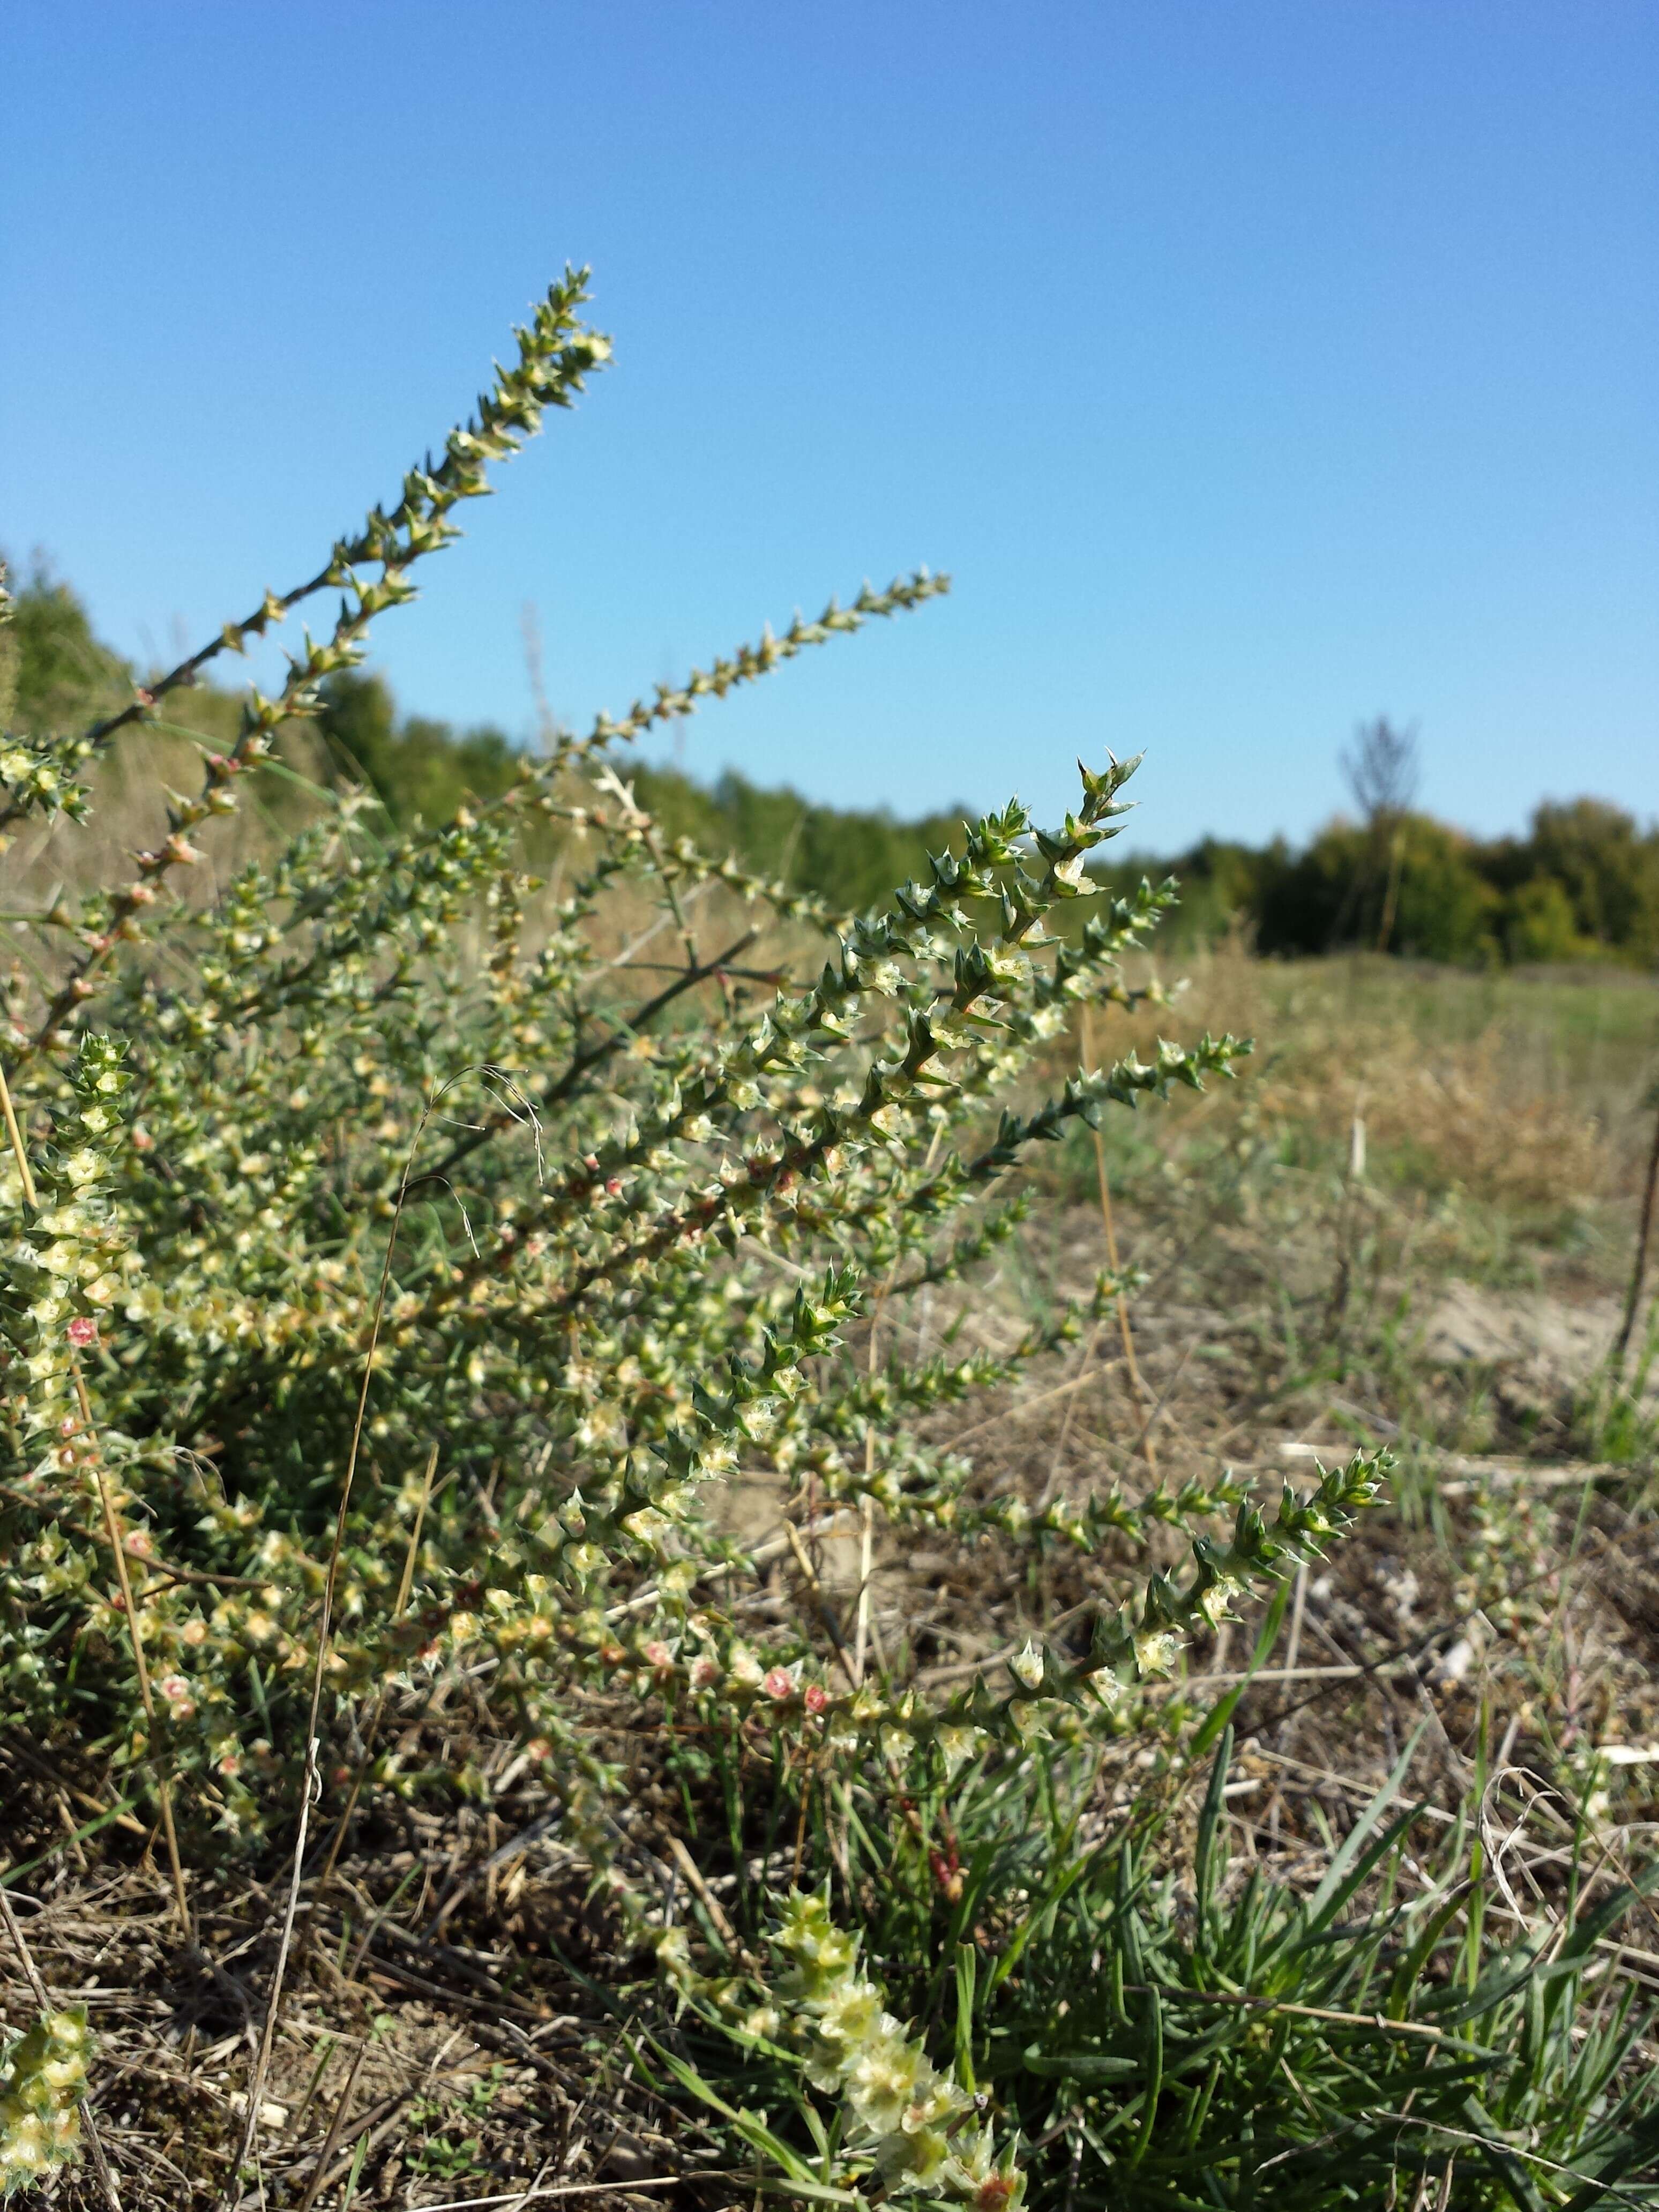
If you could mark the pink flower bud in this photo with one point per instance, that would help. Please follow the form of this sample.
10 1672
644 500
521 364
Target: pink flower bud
83 1330
816 1698
659 1656
779 1684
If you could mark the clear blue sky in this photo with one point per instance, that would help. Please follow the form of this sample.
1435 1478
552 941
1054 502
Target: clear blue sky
1253 367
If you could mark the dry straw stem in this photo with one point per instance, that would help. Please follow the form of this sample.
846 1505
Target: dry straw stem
1244 2001
1639 1264
26 1174
517 2196
112 1528
1086 1038
1474 1472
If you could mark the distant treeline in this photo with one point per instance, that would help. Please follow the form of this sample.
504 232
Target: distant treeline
1581 884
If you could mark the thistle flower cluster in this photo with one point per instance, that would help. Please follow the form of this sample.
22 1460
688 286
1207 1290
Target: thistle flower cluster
42 2074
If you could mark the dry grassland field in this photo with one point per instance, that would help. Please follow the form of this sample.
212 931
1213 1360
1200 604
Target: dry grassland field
659 1546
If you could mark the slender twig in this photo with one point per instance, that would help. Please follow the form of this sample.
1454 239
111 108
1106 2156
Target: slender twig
1244 2001
711 1903
1057 1462
866 1565
38 1502
19 1149
515 2197
1640 1264
1148 1449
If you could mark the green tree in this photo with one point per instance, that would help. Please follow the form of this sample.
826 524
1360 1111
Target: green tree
60 673
1540 923
1443 909
418 768
1608 870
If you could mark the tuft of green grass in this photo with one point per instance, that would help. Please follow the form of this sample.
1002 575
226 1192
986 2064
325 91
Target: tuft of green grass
1156 2027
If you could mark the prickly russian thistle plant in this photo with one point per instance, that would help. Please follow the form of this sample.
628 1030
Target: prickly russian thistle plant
640 1202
